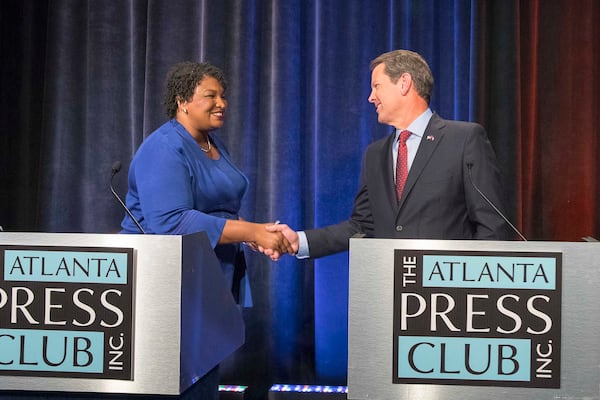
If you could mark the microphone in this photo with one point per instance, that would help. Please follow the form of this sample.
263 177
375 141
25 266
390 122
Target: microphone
469 166
116 167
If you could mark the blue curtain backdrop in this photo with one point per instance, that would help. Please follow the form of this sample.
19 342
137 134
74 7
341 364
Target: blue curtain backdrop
82 85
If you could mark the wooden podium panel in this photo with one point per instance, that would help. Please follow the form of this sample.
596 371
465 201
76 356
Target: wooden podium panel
413 326
183 318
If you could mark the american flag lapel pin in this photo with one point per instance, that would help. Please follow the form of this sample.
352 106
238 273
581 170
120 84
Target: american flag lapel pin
430 138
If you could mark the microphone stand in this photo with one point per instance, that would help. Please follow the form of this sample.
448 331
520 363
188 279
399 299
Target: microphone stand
116 168
469 166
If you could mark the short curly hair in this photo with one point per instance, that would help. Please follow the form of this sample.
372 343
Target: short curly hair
182 80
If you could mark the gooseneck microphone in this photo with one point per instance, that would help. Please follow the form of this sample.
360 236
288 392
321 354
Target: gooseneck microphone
115 169
469 166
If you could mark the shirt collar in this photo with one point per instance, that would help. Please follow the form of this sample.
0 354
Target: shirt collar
418 126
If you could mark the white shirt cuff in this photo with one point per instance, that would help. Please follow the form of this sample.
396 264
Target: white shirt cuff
303 251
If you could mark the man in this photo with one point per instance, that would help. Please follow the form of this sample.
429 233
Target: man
425 188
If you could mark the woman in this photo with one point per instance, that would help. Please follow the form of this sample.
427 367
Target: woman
182 180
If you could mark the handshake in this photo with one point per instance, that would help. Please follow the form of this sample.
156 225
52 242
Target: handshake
274 240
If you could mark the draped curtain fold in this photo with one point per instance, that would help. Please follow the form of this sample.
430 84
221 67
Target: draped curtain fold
559 97
84 88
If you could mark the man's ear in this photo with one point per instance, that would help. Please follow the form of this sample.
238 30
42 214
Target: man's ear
405 83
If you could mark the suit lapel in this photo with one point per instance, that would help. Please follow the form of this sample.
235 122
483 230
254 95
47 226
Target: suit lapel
387 166
431 138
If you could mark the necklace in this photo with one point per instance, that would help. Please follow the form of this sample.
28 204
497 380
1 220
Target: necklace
209 146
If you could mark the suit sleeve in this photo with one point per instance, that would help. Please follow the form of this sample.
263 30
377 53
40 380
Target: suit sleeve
163 181
484 173
335 238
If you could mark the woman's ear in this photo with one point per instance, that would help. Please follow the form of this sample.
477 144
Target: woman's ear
181 105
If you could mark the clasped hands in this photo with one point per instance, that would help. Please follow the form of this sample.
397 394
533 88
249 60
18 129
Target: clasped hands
275 241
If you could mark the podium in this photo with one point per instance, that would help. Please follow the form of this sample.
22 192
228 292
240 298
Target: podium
450 320
103 313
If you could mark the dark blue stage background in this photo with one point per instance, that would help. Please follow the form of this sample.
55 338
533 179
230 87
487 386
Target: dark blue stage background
82 86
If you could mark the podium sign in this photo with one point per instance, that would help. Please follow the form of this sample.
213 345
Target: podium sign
432 319
138 314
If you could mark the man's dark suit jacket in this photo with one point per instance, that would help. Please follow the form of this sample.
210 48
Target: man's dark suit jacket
438 201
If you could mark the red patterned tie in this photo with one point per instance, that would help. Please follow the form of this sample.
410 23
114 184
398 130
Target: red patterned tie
402 163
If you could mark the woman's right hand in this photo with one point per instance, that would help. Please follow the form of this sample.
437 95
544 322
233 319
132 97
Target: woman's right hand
273 244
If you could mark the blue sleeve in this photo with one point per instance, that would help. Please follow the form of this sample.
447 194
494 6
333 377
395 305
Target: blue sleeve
164 182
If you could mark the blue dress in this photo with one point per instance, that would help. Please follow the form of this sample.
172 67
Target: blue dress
175 189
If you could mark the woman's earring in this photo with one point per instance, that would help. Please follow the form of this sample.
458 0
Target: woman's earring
185 110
